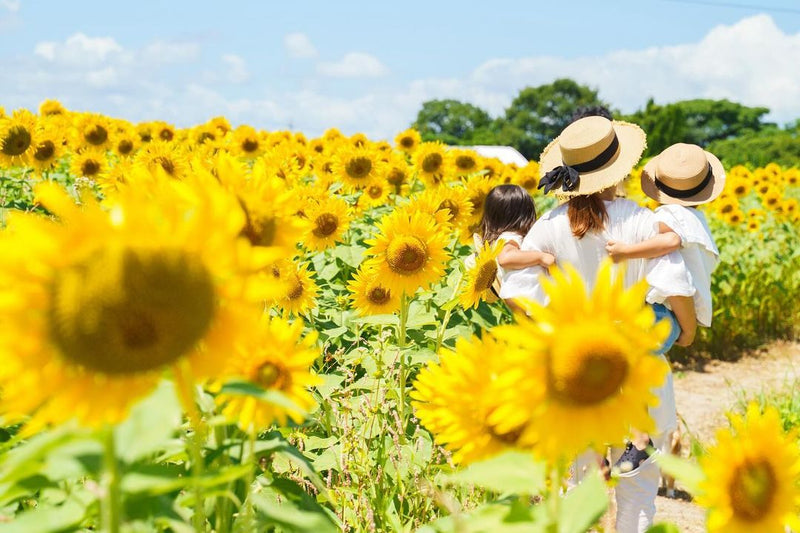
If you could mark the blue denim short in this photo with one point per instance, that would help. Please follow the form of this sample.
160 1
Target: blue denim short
662 313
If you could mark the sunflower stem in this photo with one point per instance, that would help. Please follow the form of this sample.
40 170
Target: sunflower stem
186 392
401 343
112 508
450 305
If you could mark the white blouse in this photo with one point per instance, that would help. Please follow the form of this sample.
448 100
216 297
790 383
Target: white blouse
628 223
698 251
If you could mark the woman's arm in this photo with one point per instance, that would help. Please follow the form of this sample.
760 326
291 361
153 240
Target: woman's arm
512 258
665 242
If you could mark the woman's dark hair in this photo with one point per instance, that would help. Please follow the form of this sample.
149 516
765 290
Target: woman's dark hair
507 208
586 213
591 111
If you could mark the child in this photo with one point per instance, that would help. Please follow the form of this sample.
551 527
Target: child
679 178
508 214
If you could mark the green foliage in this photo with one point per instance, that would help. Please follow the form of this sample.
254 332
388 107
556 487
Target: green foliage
453 122
759 149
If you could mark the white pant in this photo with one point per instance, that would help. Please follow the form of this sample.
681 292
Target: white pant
636 492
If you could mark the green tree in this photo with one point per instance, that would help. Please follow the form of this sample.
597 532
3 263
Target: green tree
538 114
664 125
758 149
453 122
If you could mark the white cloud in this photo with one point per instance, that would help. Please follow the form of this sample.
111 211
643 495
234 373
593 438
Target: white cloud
299 45
236 69
78 50
11 5
354 65
160 52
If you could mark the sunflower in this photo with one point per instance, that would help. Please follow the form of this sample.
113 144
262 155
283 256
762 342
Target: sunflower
161 131
726 205
301 289
48 147
166 158
359 140
375 194
432 162
92 130
791 176
87 163
247 142
357 167
735 217
755 213
456 399
772 198
465 162
739 187
481 276
752 476
397 173
328 220
753 225
103 298
478 188
587 359
125 141
408 140
789 207
492 168
409 252
370 296
49 108
528 177
17 138
276 357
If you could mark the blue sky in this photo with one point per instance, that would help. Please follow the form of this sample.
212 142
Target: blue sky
367 66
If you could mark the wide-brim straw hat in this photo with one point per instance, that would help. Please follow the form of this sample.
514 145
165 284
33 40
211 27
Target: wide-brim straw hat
683 174
596 153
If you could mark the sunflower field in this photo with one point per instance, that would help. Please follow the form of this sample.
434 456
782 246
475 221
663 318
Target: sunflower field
226 329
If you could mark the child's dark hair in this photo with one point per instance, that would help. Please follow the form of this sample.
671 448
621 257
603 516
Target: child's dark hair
507 208
591 111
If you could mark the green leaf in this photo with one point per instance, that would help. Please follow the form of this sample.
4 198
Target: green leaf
154 480
43 519
689 474
245 388
286 505
493 517
514 472
664 528
378 320
150 425
583 506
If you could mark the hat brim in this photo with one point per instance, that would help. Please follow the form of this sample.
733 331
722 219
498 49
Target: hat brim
632 142
709 193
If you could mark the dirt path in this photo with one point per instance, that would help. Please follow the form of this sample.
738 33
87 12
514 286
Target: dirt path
702 399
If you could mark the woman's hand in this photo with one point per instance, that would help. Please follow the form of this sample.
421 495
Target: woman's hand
617 251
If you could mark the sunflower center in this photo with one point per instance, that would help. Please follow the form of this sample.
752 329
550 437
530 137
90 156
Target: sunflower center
16 141
90 167
325 225
250 145
396 177
530 183
375 191
166 134
358 167
205 136
587 375
509 437
486 275
166 163
449 205
406 255
260 230
752 490
296 290
407 142
477 201
465 162
271 376
378 295
44 151
432 163
96 135
124 310
125 147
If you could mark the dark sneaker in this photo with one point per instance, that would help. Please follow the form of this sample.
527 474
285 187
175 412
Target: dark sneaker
632 457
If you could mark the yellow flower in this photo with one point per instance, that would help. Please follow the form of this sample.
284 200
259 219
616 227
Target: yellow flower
587 359
125 141
481 276
791 176
101 300
432 162
275 357
301 289
773 168
247 142
357 167
159 156
17 138
48 148
726 205
755 213
789 207
466 162
89 163
492 168
772 198
528 177
92 131
408 140
753 225
375 194
752 476
739 187
162 131
456 399
409 252
478 188
328 219
735 217
50 108
370 296
397 173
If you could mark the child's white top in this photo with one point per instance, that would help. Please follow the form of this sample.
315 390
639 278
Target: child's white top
698 250
627 222
507 236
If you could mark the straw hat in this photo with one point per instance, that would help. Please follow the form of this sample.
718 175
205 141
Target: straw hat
591 155
683 174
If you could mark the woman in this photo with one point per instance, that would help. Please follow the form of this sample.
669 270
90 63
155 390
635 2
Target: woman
585 164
